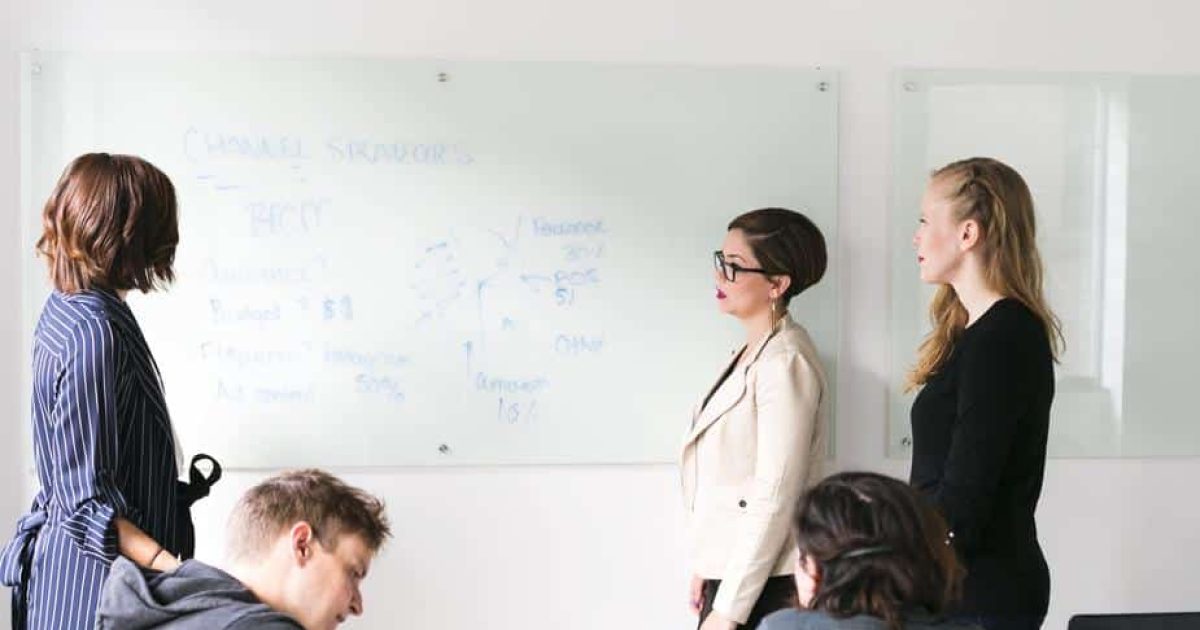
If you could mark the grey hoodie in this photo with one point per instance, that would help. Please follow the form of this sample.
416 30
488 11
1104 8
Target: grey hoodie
793 619
193 597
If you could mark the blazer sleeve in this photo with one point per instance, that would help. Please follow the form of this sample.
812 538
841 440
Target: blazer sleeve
994 393
787 396
84 445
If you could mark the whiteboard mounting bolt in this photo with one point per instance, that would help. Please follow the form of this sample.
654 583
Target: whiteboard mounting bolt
444 449
443 77
823 86
909 86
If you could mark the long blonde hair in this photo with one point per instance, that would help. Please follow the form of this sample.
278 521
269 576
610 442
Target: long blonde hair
995 196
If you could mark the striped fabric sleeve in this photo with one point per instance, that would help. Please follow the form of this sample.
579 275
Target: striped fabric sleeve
85 440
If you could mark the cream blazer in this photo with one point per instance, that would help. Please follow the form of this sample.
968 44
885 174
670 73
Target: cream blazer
749 454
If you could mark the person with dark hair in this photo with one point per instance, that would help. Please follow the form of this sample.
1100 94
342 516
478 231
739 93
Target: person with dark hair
758 437
872 555
981 421
299 545
106 455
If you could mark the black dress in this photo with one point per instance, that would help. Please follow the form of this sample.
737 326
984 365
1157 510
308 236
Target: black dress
979 454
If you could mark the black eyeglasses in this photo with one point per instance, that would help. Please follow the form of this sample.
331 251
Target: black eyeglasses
729 270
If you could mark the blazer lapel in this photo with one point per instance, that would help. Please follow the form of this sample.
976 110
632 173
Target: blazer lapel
726 396
733 389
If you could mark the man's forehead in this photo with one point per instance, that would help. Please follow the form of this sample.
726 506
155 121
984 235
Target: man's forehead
353 546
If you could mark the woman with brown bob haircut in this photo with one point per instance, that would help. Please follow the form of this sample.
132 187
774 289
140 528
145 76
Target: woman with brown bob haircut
872 556
105 450
758 436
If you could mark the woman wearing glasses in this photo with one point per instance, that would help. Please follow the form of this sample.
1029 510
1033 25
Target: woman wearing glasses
757 439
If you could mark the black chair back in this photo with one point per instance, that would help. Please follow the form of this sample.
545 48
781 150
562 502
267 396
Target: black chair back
1137 621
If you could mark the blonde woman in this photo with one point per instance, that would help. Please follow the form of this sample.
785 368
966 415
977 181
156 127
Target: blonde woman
986 375
757 439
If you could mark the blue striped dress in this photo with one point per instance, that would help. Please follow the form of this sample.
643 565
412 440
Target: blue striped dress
104 448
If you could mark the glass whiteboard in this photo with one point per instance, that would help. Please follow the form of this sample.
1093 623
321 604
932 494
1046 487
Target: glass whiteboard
1111 162
409 263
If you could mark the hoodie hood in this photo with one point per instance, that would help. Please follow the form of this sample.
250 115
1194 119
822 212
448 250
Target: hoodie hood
194 596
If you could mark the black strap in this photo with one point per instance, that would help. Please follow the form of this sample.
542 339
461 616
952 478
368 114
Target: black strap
198 484
20 592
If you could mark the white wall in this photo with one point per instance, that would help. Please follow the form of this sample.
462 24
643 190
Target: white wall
592 547
12 490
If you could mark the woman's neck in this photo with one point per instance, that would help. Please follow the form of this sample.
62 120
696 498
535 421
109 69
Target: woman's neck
976 297
758 327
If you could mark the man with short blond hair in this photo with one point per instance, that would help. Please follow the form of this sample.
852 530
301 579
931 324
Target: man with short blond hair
299 545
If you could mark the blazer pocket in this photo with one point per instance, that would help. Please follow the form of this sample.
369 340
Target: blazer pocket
729 499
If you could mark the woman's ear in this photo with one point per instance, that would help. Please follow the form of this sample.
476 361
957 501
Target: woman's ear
779 286
813 571
969 234
808 580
